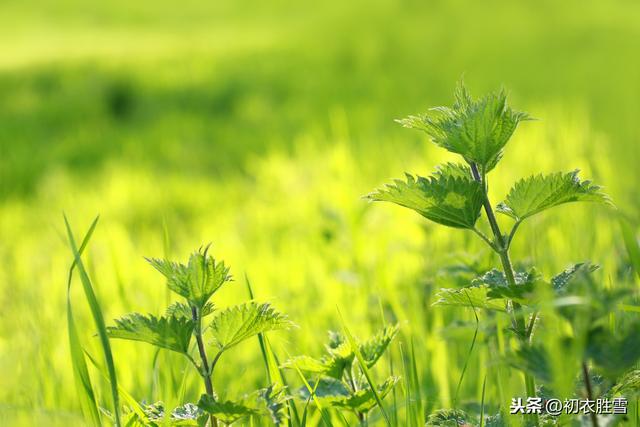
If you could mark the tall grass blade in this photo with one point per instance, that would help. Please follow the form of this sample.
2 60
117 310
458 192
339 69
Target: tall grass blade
416 384
81 373
484 386
131 401
312 393
466 362
99 321
272 365
365 370
411 418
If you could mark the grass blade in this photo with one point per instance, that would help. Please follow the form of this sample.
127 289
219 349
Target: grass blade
133 403
98 319
484 386
466 361
365 370
312 394
80 372
272 365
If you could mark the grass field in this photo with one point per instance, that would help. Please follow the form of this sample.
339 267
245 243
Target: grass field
259 126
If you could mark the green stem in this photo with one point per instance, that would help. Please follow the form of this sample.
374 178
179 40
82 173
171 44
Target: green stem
503 251
206 374
587 384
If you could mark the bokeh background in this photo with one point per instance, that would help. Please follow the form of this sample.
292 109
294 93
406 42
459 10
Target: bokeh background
258 126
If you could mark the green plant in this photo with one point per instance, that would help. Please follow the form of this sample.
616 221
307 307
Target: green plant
341 376
456 195
182 329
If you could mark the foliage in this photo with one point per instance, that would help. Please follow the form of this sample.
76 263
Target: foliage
196 282
478 130
342 381
445 198
235 324
537 193
172 333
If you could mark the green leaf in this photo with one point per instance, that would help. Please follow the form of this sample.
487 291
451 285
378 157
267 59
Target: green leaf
471 296
500 288
628 385
373 348
448 418
478 130
445 198
539 192
182 310
560 281
534 360
226 411
306 364
80 372
364 400
196 281
172 333
326 388
96 312
235 324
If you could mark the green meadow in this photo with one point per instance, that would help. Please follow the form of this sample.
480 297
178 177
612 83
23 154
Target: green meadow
258 127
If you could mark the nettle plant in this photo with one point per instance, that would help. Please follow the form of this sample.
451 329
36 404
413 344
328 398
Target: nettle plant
196 329
342 379
456 196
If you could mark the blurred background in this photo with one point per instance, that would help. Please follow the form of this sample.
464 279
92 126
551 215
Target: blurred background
258 126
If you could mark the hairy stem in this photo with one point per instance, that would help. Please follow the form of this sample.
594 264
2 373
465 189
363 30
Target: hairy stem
206 374
502 247
587 384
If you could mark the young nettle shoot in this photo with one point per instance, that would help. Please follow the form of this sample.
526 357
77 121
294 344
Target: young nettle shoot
197 329
340 380
456 195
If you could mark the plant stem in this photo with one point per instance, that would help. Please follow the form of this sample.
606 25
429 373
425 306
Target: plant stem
206 374
587 384
503 251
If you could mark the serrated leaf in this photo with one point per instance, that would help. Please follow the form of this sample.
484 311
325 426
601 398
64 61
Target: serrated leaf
373 348
364 399
188 411
226 411
560 280
471 296
500 288
172 333
455 170
537 193
478 130
332 366
449 200
628 385
179 309
196 281
233 325
327 389
306 364
448 418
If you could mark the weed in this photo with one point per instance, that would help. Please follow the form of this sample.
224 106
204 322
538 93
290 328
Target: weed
456 195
